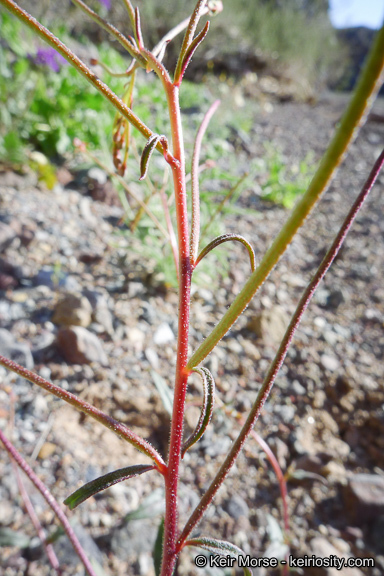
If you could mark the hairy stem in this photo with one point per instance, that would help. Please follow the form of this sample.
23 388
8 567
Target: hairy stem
14 454
181 376
111 29
83 406
49 550
53 41
352 120
280 356
195 221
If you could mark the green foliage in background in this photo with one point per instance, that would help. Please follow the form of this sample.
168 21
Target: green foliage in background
290 31
45 112
284 183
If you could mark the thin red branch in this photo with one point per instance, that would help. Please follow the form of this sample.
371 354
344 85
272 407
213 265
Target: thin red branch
49 550
195 224
83 406
51 501
280 356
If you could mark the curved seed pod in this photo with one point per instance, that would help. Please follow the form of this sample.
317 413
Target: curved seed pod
226 238
147 153
189 33
190 52
131 11
206 409
139 35
220 547
104 482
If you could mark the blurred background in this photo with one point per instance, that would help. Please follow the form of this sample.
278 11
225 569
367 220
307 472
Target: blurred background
291 49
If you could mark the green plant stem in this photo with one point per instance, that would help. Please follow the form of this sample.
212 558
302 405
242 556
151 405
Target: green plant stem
54 505
280 356
195 220
181 376
131 13
83 406
90 76
111 29
360 104
188 37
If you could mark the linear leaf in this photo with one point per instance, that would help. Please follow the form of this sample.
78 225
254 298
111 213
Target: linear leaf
139 36
206 409
164 391
191 50
147 153
226 238
158 548
104 482
221 547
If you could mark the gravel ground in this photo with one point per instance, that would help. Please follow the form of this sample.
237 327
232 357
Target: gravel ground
324 420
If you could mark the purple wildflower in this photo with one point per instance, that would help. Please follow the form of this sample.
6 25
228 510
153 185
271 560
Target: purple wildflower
48 57
106 3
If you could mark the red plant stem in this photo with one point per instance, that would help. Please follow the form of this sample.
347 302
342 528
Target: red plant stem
83 406
272 459
195 224
279 474
49 550
181 377
282 485
14 454
52 558
51 39
270 378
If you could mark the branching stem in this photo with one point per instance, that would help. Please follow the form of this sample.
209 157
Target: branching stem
195 223
53 41
280 356
14 454
353 118
83 406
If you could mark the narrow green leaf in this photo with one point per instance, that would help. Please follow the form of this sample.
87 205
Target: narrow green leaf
221 547
104 482
191 50
147 153
206 409
164 391
299 474
226 238
158 548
